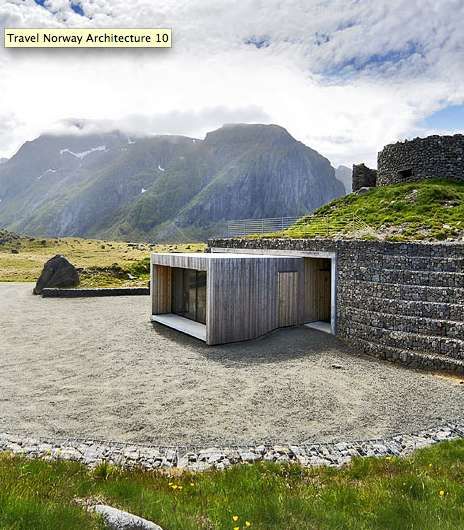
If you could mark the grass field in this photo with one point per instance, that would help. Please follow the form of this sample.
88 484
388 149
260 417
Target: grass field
424 492
426 210
103 263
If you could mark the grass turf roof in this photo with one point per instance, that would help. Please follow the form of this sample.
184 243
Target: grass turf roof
427 210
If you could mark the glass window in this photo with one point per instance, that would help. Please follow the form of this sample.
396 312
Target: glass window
201 297
189 294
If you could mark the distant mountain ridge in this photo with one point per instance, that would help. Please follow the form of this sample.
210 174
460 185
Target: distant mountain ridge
160 187
345 175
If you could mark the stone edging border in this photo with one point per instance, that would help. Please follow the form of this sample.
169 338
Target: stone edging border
335 454
102 291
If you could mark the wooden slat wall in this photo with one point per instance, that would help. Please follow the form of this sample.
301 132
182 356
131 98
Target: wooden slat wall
317 290
161 290
193 261
242 294
243 301
287 283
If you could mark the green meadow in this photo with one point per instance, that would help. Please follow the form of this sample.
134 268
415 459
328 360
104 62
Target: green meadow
424 491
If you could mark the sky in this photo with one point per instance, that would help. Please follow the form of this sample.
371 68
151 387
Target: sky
345 77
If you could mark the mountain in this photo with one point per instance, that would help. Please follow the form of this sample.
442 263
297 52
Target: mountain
344 175
160 187
3 160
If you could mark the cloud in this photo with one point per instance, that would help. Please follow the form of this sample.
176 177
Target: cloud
8 122
193 123
344 76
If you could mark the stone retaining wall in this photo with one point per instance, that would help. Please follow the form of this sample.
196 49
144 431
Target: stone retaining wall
422 158
93 453
104 291
402 302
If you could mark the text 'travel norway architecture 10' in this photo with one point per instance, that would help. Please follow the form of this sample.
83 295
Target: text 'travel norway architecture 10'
397 301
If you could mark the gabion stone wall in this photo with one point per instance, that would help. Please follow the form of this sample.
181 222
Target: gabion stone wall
402 302
363 177
422 158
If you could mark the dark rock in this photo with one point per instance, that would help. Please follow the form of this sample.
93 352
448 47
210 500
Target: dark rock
363 177
57 272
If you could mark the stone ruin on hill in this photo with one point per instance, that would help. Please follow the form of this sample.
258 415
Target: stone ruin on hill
422 158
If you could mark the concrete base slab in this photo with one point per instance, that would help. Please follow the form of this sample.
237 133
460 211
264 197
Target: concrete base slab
190 327
320 326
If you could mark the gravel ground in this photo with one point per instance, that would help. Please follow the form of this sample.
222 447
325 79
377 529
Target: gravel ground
99 368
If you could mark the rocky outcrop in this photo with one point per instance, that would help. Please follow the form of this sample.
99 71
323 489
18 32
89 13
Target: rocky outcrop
57 272
8 237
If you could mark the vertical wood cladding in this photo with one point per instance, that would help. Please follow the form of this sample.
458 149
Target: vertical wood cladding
288 300
243 297
398 301
242 292
161 289
317 290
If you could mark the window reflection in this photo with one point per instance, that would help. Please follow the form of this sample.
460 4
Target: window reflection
189 294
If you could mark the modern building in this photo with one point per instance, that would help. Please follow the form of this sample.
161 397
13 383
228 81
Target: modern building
398 301
222 297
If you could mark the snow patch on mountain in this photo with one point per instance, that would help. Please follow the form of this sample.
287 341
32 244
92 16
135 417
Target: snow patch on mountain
161 168
83 154
45 172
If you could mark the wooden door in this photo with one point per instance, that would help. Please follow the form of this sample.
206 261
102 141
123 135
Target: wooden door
317 290
288 301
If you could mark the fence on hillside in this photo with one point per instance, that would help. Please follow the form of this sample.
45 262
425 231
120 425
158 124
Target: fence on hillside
245 227
320 227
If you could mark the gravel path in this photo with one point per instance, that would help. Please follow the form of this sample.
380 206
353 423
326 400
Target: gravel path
99 368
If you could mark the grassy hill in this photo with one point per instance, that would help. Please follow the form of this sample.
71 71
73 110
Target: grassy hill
427 210
102 263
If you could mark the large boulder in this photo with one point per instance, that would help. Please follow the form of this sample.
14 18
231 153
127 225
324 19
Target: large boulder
57 272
